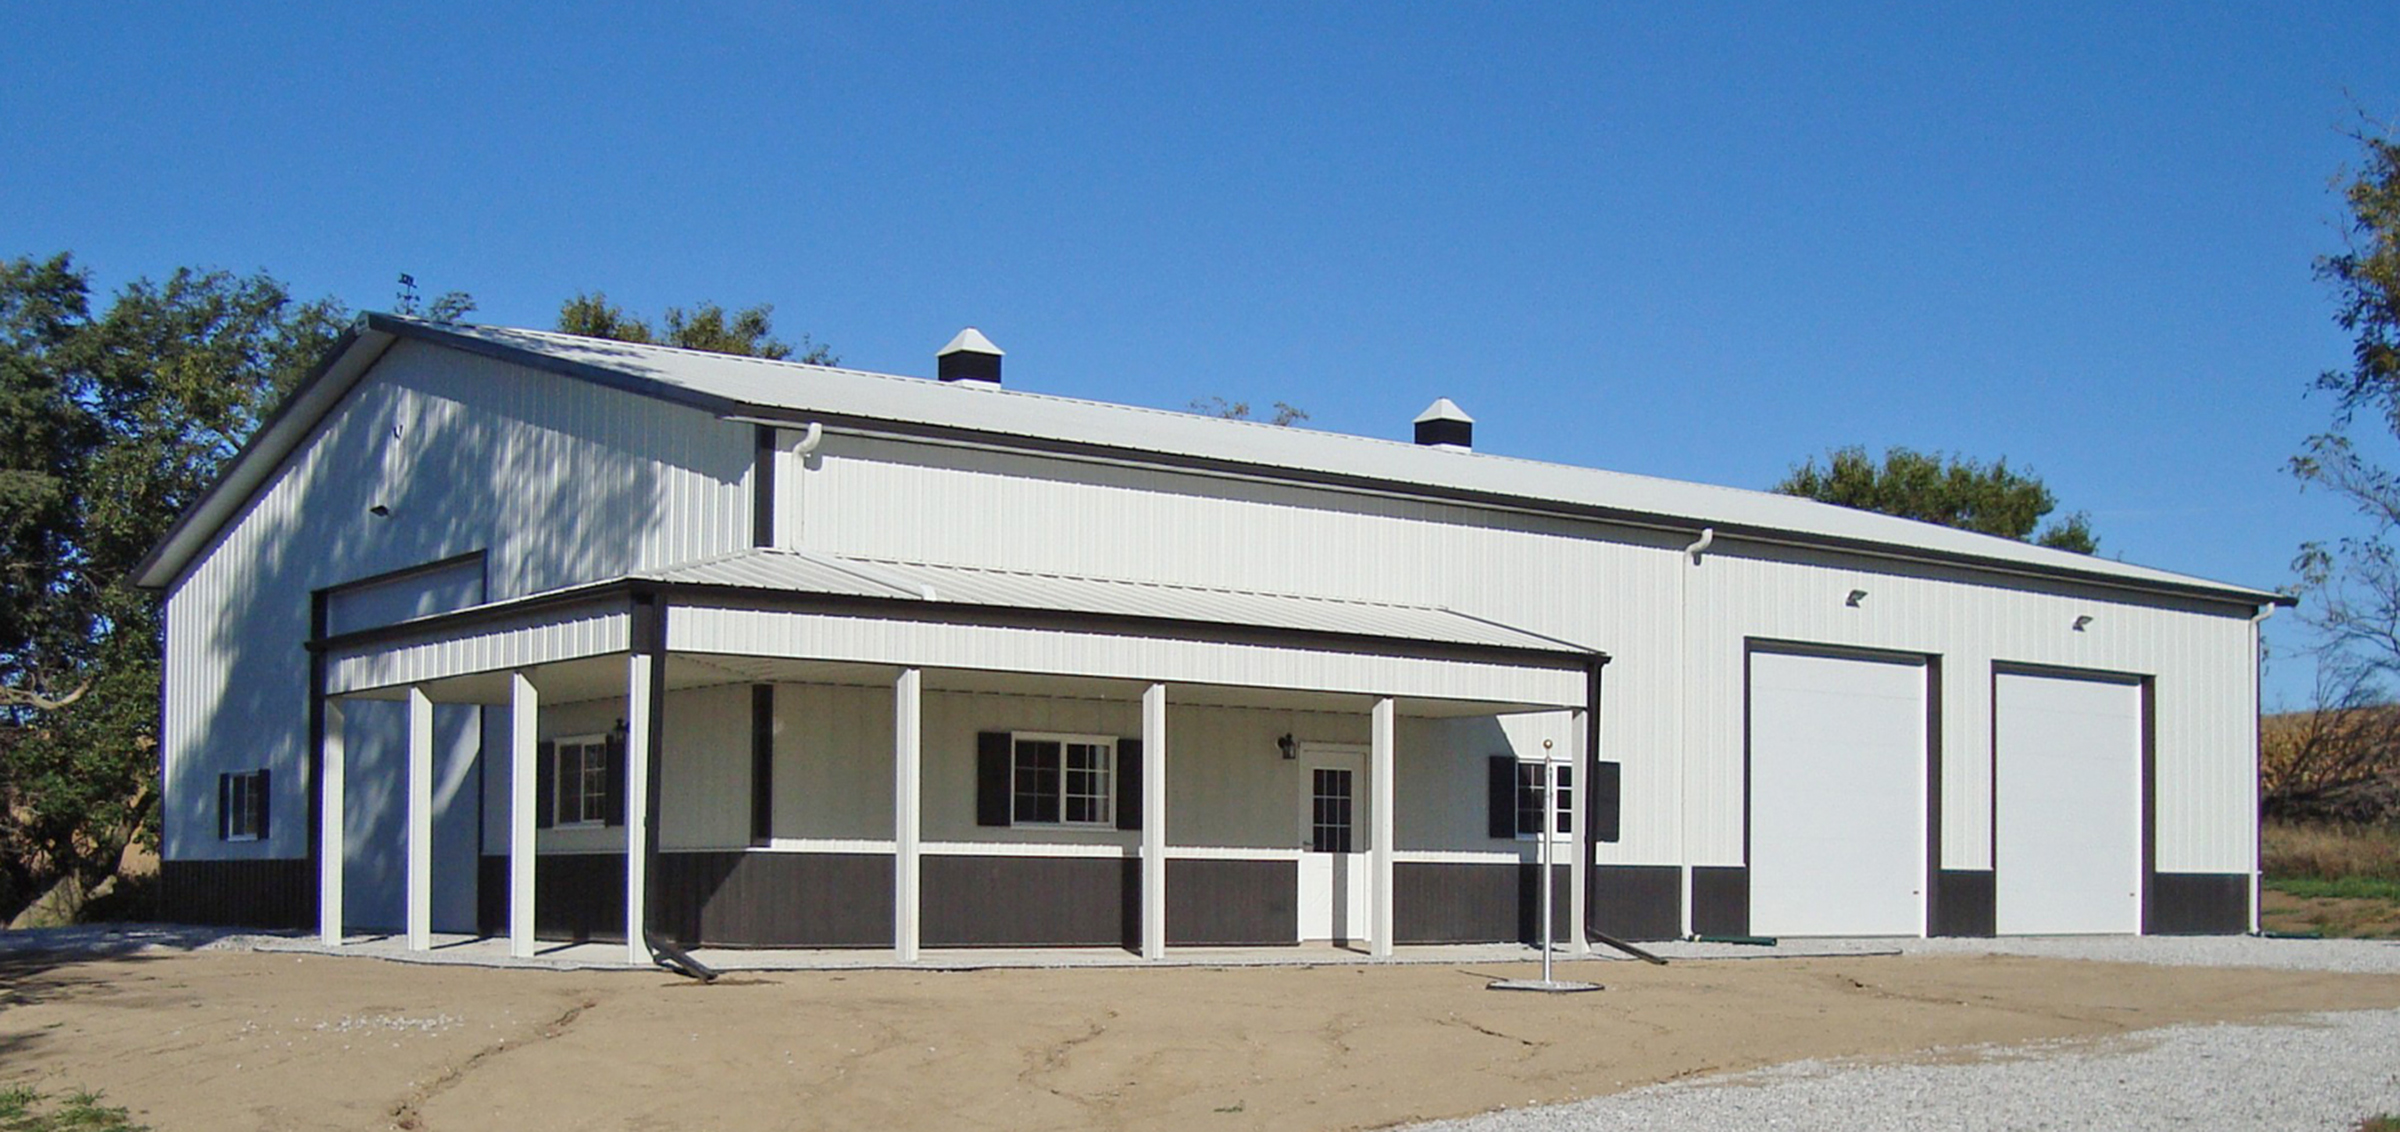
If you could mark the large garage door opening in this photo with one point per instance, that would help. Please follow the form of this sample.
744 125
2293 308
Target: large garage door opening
1837 795
2067 804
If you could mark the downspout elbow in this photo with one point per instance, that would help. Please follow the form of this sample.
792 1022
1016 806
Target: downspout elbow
815 435
1708 537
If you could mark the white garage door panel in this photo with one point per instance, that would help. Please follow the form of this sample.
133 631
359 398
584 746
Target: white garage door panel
1837 796
2067 805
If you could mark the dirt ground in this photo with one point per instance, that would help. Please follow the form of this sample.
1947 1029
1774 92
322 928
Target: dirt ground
240 1040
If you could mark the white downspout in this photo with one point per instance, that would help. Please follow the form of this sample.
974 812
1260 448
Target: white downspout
2257 832
1683 694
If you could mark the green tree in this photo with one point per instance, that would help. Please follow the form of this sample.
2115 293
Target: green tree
749 332
1953 491
118 422
1285 413
2355 581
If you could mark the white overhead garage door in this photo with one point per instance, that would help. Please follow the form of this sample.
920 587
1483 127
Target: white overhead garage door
2067 805
1837 796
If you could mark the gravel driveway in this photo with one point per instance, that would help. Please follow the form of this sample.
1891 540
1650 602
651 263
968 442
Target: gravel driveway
2321 1071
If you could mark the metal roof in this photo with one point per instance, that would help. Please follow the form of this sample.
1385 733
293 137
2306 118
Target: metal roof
984 412
800 571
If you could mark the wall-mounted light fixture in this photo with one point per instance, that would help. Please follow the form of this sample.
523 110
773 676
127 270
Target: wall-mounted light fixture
1856 596
2082 621
380 511
1290 749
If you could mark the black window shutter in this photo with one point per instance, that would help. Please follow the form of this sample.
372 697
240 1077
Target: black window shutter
1503 778
613 807
1129 784
1605 799
224 807
264 794
991 778
545 785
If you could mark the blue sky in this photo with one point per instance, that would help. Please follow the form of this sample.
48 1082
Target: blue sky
1698 240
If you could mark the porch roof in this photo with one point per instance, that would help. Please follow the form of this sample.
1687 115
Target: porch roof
803 571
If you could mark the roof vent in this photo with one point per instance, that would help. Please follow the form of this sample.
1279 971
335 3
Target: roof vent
969 357
1445 425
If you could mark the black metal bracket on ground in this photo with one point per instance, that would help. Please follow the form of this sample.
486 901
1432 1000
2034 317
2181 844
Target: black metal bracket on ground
1596 936
664 953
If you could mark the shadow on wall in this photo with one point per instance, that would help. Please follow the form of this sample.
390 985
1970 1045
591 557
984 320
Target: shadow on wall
562 482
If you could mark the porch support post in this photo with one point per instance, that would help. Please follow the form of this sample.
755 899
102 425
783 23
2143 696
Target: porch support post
524 708
329 827
638 708
1579 941
420 819
1379 809
1154 822
908 788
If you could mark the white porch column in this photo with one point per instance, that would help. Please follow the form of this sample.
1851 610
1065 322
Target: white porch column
524 709
637 805
330 838
1154 822
420 820
908 788
1579 859
1379 809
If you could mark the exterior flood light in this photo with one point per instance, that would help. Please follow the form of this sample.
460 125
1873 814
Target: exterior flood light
2082 621
380 511
1856 596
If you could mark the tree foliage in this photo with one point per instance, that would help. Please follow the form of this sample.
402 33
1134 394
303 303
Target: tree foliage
749 332
115 423
1285 412
2354 582
2339 760
1953 491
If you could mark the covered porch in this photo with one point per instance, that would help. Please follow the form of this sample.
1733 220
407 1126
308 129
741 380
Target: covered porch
815 753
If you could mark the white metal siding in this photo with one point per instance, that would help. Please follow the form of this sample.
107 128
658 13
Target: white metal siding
1673 695
559 480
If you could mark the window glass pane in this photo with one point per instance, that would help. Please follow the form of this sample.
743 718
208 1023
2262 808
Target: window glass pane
1087 782
1037 780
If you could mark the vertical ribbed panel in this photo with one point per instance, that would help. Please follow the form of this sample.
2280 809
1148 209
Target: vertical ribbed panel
1675 630
559 480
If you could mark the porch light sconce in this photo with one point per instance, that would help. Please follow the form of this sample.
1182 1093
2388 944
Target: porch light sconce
1290 749
380 511
2082 621
1856 596
622 730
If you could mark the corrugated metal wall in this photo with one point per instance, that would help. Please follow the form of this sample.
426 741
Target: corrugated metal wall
560 481
1676 630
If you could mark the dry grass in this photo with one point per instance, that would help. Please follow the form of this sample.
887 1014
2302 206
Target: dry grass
2331 852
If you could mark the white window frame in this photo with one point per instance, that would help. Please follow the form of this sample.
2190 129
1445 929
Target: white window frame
246 801
1562 817
1108 796
596 742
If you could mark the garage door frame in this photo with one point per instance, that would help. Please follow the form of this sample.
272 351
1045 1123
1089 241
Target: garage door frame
2148 686
1932 664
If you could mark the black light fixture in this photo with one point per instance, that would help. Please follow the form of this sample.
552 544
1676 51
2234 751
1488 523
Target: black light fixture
2082 621
380 511
1856 596
1290 749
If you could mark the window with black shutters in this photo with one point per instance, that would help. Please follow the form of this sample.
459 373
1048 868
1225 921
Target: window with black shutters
1062 780
1529 799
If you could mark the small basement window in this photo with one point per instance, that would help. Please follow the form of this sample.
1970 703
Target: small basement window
242 806
1529 799
1062 780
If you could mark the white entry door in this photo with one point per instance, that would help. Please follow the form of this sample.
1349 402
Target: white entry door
2067 805
1333 843
1837 796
